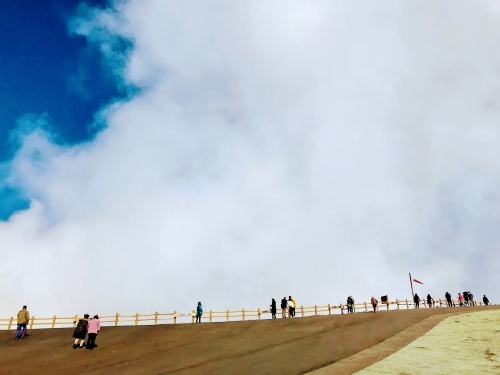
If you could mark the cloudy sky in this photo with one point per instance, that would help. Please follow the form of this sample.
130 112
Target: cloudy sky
159 153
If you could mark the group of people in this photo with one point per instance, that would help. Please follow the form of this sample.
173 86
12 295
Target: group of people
350 304
86 326
465 299
287 307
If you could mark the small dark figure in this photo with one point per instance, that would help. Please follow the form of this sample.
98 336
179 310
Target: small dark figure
448 299
465 296
416 300
471 298
273 309
374 304
350 304
429 300
199 312
283 307
81 332
486 301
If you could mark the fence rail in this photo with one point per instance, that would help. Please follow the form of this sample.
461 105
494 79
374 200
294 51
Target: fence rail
215 316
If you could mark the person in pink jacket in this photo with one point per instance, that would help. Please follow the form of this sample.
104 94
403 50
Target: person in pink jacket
460 299
93 329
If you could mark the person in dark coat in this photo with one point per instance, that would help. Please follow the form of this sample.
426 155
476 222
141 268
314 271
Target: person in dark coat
448 299
81 332
471 298
350 304
466 298
374 304
416 300
429 300
486 301
284 303
273 309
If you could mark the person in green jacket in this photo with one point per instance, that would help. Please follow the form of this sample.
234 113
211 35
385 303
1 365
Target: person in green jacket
199 312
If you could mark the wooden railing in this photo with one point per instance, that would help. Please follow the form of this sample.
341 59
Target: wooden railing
215 316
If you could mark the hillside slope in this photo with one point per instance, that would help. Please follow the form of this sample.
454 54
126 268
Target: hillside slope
282 346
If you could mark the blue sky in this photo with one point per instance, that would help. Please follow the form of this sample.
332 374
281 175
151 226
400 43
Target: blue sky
46 70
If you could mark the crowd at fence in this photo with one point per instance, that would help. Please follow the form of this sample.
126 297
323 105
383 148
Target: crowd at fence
215 316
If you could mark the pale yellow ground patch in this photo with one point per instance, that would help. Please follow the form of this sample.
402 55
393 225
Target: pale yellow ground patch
460 344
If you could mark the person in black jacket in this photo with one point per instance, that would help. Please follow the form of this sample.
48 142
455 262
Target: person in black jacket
466 298
350 304
283 307
429 300
448 299
81 332
273 309
486 301
416 300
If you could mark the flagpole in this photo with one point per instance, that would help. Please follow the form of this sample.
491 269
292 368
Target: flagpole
411 284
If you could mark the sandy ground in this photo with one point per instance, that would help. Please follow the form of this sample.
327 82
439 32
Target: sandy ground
282 346
461 344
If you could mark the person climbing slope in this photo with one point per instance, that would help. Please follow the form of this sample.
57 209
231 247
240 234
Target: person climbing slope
81 332
93 329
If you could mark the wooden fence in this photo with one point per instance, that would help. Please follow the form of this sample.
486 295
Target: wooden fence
214 316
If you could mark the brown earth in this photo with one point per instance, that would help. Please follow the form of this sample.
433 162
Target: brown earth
283 346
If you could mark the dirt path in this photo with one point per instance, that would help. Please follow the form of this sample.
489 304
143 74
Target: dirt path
282 346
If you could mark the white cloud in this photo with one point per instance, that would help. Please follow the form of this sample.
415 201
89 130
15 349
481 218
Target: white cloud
317 149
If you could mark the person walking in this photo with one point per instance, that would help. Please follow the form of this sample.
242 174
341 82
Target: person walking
448 299
416 300
429 300
374 304
460 299
465 298
486 301
471 298
283 307
273 309
291 306
350 305
294 305
199 312
93 329
23 317
81 332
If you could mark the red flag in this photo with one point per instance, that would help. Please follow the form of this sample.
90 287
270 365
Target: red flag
418 281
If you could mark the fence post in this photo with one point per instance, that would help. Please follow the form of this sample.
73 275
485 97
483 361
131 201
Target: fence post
388 303
243 314
315 310
354 307
54 321
175 317
366 307
136 318
259 312
407 306
210 316
192 316
32 321
116 319
302 310
10 323
397 304
227 315
329 310
156 318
